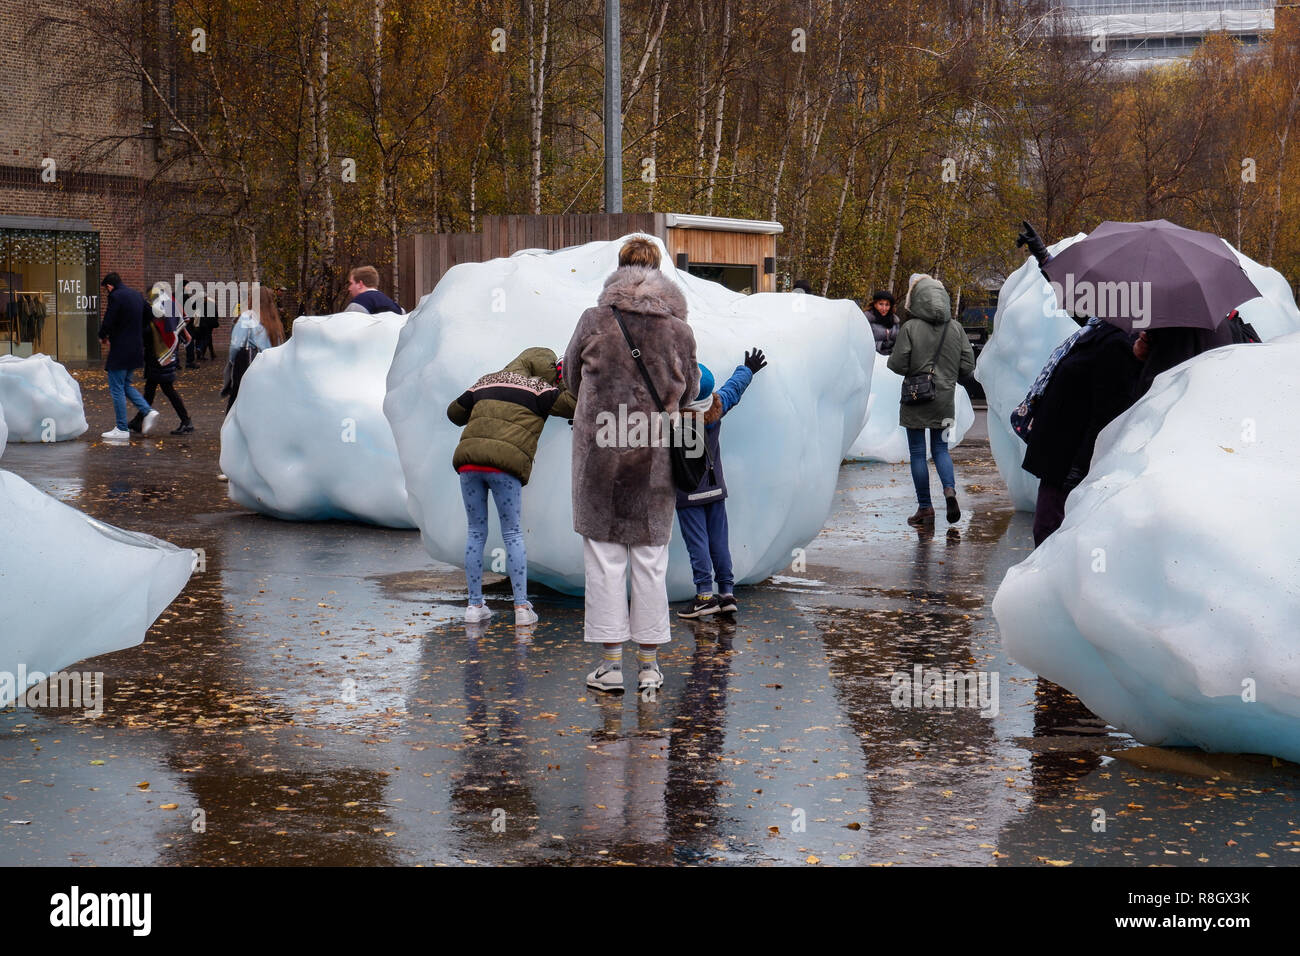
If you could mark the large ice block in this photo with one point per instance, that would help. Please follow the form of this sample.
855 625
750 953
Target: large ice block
307 439
1168 599
42 402
782 445
72 587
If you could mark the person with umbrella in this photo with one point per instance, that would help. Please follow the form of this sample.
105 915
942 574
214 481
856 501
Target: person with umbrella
1174 286
1148 283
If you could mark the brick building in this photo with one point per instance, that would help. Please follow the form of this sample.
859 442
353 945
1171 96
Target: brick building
76 155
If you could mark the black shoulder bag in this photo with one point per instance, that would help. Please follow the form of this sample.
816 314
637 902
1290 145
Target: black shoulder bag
918 388
688 469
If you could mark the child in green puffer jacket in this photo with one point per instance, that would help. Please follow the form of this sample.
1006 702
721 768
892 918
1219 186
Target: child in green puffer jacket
503 414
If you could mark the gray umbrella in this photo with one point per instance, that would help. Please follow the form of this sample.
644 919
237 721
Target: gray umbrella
1150 275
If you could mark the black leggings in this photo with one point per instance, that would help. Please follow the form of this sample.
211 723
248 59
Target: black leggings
151 389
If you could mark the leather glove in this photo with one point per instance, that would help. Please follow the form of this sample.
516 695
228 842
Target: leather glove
1029 237
754 361
1073 479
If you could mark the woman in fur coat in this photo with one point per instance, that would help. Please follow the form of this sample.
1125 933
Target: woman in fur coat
623 492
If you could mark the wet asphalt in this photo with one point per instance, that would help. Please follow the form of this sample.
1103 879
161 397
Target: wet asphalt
313 697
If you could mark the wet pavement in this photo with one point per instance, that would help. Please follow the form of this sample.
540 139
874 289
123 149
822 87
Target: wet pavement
312 697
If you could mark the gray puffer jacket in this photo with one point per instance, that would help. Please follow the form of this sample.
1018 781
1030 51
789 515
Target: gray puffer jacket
930 310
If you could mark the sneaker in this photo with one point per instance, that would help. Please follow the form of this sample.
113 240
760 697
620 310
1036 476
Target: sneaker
186 428
649 678
150 419
525 615
117 435
954 512
702 607
477 612
924 517
606 677
727 604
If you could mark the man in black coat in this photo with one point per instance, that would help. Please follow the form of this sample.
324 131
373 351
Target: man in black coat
1089 388
122 333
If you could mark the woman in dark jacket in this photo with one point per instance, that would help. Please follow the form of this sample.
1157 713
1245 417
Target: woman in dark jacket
884 320
503 414
623 491
1088 389
929 314
161 362
1164 348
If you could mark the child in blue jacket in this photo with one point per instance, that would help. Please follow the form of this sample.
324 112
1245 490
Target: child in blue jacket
702 513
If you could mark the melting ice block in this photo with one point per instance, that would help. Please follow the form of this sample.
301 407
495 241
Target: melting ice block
782 445
1168 599
882 438
1028 327
307 439
72 587
42 402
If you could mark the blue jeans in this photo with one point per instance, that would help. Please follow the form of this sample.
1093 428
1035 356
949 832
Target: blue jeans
120 387
507 492
920 472
704 529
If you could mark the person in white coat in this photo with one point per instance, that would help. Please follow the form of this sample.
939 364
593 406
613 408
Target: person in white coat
255 330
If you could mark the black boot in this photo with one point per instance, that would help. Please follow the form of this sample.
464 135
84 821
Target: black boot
137 423
954 512
924 518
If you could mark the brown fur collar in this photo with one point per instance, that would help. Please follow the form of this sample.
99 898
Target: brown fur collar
644 291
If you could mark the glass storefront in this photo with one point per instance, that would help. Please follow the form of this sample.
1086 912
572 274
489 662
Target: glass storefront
49 293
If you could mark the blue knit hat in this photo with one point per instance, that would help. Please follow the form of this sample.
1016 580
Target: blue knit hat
706 383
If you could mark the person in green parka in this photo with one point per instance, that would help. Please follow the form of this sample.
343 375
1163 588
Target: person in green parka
503 414
917 348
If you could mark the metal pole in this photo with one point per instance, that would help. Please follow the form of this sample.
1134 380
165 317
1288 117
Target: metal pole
613 110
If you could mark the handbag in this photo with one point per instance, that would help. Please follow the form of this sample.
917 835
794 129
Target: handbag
688 470
918 388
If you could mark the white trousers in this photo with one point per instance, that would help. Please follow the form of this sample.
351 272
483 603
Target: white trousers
610 617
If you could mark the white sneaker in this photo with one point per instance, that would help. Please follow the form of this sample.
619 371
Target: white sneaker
150 420
606 677
525 615
477 612
649 678
117 435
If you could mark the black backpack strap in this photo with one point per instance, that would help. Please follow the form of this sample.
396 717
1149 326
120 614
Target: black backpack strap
636 354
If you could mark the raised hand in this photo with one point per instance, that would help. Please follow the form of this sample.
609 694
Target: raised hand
754 360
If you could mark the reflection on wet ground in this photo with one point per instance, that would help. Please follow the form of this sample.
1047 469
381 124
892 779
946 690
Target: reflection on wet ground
313 698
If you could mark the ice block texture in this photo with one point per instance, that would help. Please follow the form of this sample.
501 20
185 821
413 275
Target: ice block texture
1028 326
882 438
1173 587
72 587
42 402
782 445
307 439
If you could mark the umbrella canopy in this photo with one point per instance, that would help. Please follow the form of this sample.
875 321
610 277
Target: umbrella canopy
1148 275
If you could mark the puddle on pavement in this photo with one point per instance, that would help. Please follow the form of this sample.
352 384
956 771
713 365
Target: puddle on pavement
313 697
